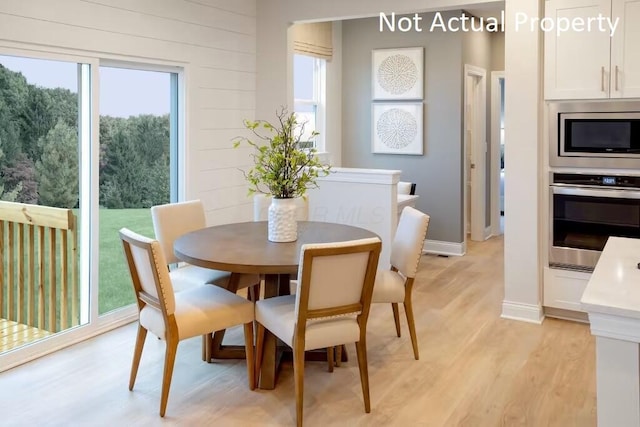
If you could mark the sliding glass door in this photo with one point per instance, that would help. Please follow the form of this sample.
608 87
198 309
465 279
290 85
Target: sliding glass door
86 148
135 173
41 133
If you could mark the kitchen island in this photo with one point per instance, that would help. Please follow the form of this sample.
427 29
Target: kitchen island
612 299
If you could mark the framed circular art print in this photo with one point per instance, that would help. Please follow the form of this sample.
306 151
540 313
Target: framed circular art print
397 73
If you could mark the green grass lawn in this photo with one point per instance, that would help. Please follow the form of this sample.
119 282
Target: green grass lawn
115 289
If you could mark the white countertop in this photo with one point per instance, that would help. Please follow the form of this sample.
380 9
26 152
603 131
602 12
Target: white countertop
614 287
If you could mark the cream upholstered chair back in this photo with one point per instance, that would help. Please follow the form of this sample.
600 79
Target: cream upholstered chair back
404 187
261 204
172 220
148 272
336 278
408 242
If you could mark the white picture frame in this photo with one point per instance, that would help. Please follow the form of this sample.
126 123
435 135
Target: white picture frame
397 74
397 128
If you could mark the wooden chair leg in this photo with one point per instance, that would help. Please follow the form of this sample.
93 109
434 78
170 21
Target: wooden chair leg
361 351
298 374
396 317
248 345
137 354
215 345
330 353
207 347
338 355
408 310
259 349
169 360
254 293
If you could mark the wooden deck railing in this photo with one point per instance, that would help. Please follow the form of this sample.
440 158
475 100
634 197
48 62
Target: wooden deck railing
39 266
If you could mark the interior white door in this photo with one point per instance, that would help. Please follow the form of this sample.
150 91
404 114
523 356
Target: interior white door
497 132
475 150
468 149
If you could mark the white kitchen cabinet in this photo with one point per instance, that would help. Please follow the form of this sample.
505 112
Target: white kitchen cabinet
625 51
563 288
591 64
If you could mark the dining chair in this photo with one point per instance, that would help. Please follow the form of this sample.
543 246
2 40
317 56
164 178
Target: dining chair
174 317
406 187
395 285
330 308
171 221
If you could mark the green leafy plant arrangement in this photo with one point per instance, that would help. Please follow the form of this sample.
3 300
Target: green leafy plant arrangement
281 167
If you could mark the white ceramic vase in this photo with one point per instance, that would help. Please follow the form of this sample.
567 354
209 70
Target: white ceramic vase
283 226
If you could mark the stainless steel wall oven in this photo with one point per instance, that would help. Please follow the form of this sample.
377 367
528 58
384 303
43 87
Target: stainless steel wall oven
585 209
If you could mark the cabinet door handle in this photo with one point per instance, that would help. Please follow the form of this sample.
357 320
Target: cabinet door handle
602 79
617 78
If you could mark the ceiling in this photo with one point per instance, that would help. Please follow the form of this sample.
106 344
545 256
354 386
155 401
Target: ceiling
487 10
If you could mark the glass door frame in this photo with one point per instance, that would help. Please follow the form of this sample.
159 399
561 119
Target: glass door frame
89 153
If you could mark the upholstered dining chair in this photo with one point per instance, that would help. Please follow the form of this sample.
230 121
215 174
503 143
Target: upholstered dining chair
174 317
330 308
395 285
406 187
172 220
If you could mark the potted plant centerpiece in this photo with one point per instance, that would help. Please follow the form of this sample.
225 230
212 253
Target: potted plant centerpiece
282 168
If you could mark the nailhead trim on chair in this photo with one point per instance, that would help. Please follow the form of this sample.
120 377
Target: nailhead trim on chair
154 254
419 255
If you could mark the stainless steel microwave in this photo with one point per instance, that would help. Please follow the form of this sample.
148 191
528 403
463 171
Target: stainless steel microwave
597 134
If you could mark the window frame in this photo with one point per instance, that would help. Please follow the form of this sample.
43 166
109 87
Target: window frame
318 100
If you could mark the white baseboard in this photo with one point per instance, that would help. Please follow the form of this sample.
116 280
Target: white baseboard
523 312
487 232
444 248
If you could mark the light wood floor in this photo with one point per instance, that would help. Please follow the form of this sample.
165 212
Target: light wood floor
476 369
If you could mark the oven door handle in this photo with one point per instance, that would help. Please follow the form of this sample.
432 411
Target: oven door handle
593 192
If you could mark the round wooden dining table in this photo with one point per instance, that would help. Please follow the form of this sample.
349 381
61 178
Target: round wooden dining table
244 248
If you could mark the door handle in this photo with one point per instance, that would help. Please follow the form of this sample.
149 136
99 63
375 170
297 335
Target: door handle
602 79
616 78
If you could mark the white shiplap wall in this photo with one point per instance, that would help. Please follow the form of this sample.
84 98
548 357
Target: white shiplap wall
215 42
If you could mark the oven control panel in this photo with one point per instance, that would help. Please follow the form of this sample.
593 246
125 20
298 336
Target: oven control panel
575 179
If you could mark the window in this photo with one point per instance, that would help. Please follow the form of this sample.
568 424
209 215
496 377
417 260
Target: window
309 83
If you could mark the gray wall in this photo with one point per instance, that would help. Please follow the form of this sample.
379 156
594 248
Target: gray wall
437 173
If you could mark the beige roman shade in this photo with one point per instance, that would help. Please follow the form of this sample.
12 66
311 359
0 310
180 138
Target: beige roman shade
313 39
